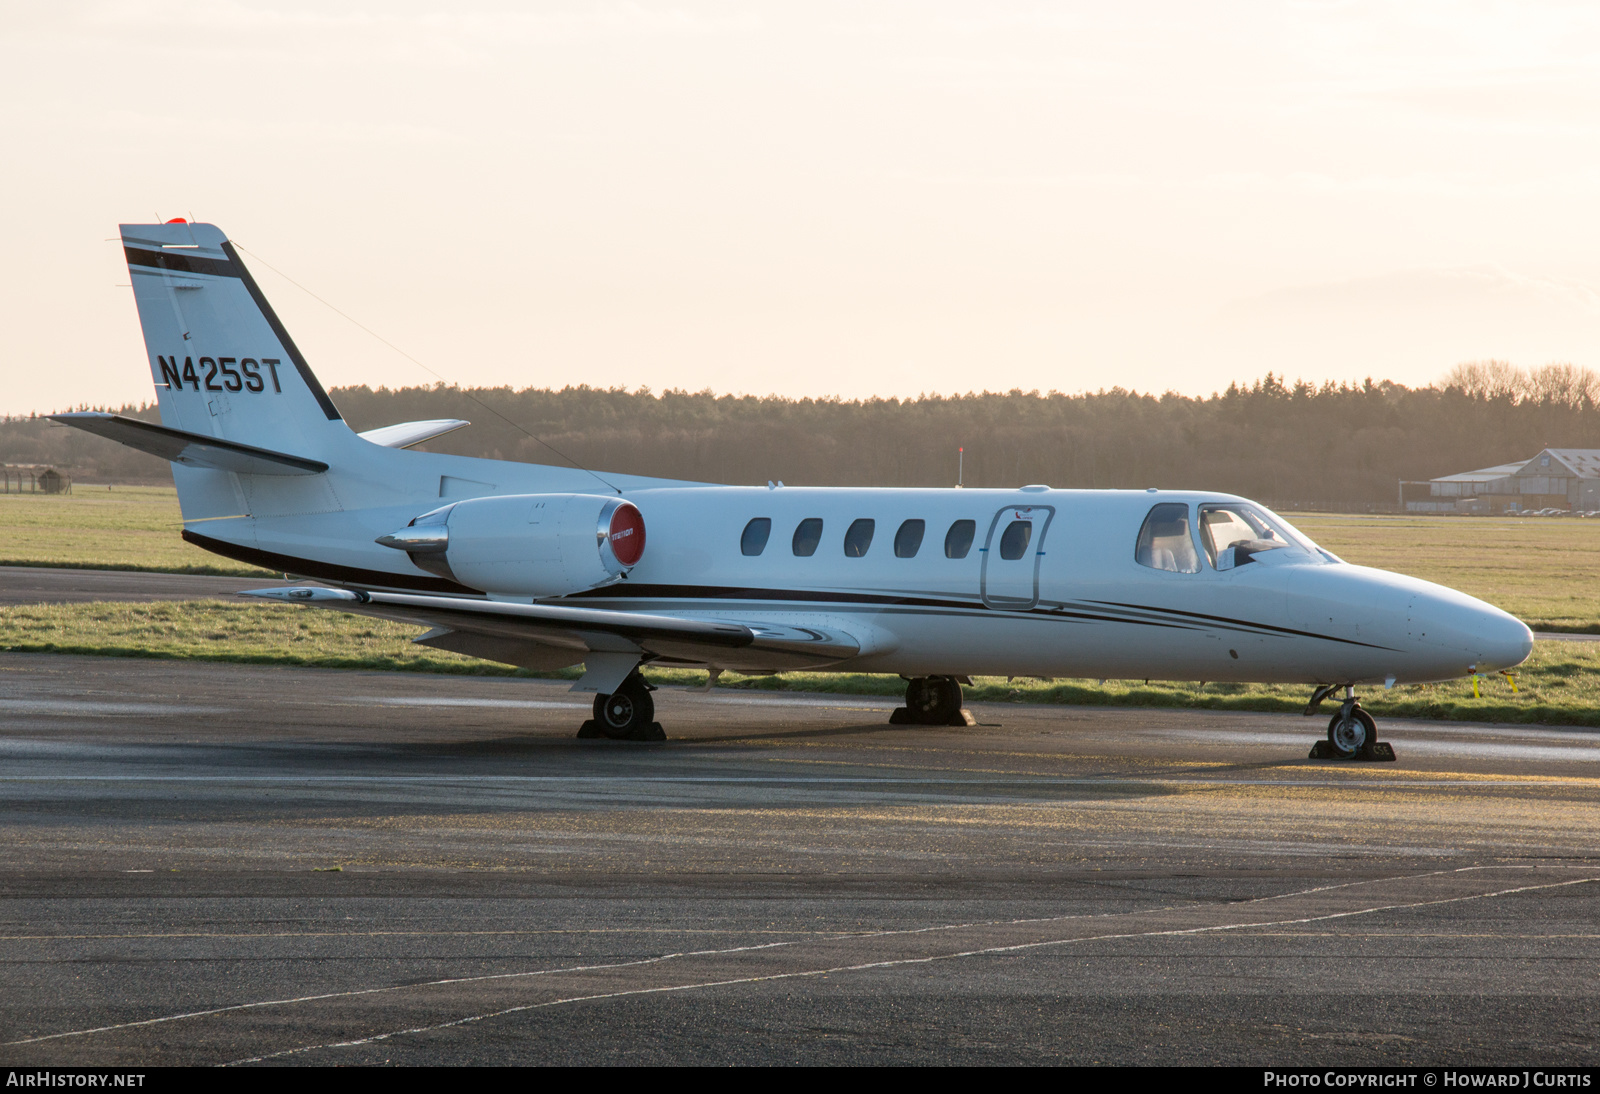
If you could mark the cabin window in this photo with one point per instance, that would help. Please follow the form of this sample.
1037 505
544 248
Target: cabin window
1164 541
859 537
1234 534
958 540
754 540
908 540
807 536
1015 539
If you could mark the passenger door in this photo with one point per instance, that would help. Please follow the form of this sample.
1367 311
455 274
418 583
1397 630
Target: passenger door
1012 554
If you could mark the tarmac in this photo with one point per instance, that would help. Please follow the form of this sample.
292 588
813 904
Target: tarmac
254 865
44 585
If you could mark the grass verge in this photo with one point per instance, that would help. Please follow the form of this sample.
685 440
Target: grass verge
107 528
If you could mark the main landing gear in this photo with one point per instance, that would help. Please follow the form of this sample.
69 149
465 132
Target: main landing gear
627 714
932 701
1352 734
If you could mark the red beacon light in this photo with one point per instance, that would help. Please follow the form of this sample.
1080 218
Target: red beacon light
177 220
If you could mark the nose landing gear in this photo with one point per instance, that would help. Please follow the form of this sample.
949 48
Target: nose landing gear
933 701
1352 734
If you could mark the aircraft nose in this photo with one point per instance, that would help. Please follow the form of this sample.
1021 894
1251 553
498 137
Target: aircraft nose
1491 638
1506 642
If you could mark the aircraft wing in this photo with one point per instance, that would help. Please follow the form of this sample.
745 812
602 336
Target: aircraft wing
609 643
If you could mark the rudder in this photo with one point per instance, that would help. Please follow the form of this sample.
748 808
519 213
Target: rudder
220 359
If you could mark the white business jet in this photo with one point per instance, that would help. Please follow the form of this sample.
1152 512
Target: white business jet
549 567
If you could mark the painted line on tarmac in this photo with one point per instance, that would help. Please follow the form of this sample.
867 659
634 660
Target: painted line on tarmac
84 706
1109 782
1588 752
453 981
765 946
162 935
479 779
996 784
421 701
901 962
831 702
1411 729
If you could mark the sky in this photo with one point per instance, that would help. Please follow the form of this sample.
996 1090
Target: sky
817 198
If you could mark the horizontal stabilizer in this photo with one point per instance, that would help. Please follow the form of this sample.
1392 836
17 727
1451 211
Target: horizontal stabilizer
190 449
407 434
732 644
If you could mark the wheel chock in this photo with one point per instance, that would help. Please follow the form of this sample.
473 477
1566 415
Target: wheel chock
589 731
1376 752
654 733
902 716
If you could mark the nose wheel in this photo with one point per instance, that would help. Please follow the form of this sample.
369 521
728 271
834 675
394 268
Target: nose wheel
1352 734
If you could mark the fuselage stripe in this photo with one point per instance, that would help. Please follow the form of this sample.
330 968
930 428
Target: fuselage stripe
1241 623
326 571
715 596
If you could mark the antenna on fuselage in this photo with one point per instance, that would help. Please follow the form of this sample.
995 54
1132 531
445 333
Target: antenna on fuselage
961 465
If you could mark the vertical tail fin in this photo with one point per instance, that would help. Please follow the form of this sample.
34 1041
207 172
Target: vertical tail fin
220 359
224 367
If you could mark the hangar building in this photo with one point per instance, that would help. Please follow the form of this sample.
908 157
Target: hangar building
1557 478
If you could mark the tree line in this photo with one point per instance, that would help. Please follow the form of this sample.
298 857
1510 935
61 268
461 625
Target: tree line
1288 444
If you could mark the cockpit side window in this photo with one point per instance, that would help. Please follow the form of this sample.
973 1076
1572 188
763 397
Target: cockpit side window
1164 541
1233 534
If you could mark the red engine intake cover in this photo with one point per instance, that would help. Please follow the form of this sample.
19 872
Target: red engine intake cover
627 534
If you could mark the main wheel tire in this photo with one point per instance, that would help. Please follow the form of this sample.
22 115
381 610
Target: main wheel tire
1354 736
933 700
625 714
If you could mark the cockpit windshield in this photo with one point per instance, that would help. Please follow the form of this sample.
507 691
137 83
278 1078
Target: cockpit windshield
1233 533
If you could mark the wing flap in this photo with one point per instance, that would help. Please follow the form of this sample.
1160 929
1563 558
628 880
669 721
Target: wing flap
193 449
508 651
730 644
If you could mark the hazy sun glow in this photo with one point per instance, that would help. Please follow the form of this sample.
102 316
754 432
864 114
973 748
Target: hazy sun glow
815 198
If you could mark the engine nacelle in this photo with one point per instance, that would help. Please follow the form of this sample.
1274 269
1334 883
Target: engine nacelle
526 544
